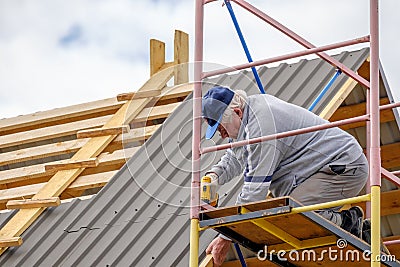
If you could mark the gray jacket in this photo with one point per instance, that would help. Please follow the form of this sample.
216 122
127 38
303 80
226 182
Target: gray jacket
280 165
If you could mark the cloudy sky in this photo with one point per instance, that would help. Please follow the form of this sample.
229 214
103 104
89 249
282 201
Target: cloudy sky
55 53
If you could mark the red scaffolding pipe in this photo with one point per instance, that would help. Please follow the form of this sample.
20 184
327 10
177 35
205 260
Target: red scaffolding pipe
300 40
285 57
295 132
375 160
284 134
390 176
198 69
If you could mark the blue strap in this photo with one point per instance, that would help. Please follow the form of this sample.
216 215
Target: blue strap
239 252
323 92
246 50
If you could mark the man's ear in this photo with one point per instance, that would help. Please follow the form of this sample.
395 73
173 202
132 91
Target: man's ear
239 112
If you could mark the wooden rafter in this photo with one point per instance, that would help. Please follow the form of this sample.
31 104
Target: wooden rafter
338 99
59 116
106 160
66 147
62 179
153 101
358 110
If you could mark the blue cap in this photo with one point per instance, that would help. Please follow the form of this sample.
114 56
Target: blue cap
214 103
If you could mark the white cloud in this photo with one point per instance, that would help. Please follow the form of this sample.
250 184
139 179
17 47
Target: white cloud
109 54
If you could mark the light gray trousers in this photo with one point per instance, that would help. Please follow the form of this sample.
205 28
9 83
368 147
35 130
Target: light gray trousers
333 182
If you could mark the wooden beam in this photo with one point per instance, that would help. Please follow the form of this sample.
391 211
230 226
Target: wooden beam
59 116
33 203
81 183
38 152
157 56
72 164
72 146
208 261
103 131
83 111
350 111
38 171
62 179
51 132
137 95
137 134
33 153
157 112
10 242
181 57
338 99
354 110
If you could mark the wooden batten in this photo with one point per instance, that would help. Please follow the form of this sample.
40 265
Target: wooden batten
10 242
157 112
33 203
103 131
62 179
72 164
137 95
157 56
68 178
51 132
58 116
181 57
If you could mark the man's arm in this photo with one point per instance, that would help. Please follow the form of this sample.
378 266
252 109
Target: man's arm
229 166
219 248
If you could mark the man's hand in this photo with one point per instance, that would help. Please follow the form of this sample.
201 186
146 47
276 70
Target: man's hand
219 248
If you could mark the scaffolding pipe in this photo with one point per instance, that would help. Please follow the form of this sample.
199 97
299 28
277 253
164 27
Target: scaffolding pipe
296 132
196 136
285 57
390 176
300 40
368 145
326 88
284 134
391 242
373 147
375 168
396 173
244 45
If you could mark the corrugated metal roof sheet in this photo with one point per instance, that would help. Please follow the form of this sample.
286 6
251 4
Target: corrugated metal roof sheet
141 218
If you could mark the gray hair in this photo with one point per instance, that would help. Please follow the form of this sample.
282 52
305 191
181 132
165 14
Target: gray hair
238 101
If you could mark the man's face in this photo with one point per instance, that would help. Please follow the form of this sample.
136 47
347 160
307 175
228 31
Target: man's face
230 126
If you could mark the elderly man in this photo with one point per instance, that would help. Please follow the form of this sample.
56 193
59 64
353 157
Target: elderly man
312 168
